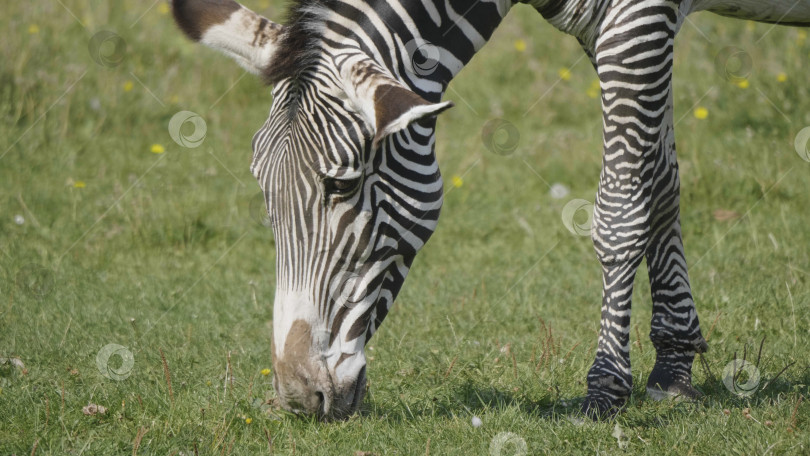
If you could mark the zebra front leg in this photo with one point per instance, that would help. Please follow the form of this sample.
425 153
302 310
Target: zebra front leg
635 72
610 380
620 235
675 330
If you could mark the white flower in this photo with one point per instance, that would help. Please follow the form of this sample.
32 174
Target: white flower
559 191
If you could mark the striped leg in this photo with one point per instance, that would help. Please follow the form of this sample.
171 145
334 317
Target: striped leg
633 56
675 330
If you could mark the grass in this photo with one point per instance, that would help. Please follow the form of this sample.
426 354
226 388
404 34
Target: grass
163 253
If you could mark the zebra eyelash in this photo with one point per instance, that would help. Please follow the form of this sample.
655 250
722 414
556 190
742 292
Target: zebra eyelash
337 189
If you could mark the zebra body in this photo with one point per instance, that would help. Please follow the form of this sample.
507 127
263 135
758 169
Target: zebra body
346 161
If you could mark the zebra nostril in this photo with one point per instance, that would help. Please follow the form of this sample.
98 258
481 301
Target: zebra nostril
321 403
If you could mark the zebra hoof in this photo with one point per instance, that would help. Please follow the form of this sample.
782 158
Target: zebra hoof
665 384
598 407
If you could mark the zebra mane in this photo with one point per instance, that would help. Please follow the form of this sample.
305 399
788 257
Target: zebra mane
298 45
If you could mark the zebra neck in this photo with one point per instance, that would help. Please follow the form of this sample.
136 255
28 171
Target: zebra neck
423 44
579 18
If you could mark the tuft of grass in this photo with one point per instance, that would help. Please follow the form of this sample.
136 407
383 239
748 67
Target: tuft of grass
128 238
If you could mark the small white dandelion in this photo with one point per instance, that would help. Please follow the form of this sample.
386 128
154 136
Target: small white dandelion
559 191
19 219
621 438
575 420
476 422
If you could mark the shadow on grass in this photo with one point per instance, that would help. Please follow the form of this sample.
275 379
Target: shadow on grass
768 390
473 399
771 387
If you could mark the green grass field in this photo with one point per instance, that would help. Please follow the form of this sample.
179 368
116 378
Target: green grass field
103 241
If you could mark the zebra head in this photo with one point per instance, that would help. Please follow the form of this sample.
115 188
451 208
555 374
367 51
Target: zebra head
346 164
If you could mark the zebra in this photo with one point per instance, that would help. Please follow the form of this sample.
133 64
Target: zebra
346 163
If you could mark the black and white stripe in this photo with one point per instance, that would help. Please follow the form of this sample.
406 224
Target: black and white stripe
354 191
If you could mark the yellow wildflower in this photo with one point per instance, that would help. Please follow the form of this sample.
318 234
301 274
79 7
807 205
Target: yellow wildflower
248 420
157 149
33 29
520 45
128 86
163 8
781 77
743 83
565 74
265 372
701 113
457 181
594 90
79 184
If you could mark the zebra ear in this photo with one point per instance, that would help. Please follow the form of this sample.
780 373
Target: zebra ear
396 107
230 28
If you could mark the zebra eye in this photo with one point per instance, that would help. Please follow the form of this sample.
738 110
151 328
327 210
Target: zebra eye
340 187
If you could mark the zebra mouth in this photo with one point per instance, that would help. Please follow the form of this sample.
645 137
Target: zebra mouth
359 390
355 392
